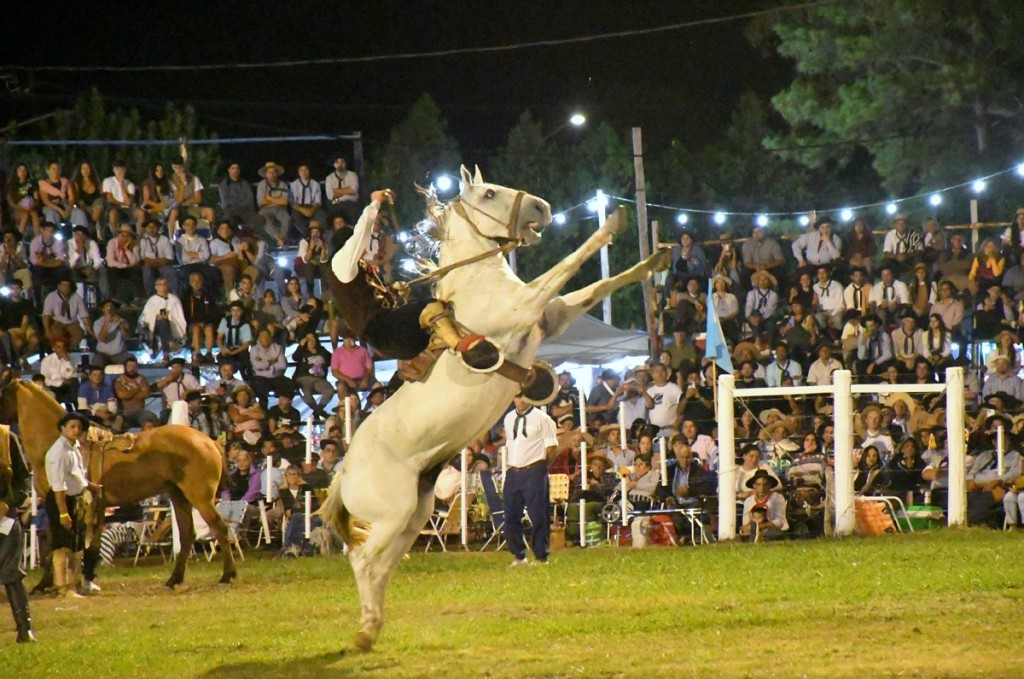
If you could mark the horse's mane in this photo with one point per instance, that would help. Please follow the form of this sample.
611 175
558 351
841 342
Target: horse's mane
424 242
40 393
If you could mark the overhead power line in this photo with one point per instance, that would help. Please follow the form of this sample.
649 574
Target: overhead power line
420 55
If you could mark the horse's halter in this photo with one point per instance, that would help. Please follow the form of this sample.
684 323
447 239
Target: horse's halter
509 226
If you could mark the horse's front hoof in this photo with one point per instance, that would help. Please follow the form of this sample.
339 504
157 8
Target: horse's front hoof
226 580
364 642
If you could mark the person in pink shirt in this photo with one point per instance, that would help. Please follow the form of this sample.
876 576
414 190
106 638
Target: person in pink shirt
352 366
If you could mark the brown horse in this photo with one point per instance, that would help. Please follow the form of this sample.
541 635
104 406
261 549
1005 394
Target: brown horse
173 459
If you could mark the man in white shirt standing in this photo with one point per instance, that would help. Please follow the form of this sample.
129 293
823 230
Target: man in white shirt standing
120 194
662 400
342 189
531 438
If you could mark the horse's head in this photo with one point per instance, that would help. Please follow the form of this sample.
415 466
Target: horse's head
502 214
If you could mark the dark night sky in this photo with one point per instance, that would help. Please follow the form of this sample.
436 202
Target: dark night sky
679 84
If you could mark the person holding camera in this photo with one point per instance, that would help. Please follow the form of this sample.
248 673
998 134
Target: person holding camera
662 400
313 260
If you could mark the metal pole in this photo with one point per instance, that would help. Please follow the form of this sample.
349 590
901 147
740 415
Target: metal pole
843 409
645 247
464 514
726 460
606 270
956 514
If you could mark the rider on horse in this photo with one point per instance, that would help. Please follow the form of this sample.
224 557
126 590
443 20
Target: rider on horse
374 312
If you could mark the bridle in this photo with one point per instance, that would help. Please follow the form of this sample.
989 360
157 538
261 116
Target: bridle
510 225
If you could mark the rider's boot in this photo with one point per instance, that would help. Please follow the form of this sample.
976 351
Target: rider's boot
478 352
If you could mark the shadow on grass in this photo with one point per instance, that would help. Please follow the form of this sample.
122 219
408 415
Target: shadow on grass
313 666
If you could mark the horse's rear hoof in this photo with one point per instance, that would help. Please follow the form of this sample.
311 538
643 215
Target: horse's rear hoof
226 580
364 642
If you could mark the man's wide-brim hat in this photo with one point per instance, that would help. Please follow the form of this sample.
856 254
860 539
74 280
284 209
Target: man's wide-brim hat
762 474
263 170
761 275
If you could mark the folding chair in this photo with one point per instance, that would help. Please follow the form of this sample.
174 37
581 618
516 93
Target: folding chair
232 511
495 508
444 522
558 495
152 517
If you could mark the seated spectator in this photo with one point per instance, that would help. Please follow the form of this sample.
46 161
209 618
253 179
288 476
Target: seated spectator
986 483
246 293
702 445
602 403
59 372
599 482
804 292
307 202
689 480
97 396
224 385
156 193
17 319
198 417
132 390
14 260
987 268
314 260
111 333
763 299
1004 380
818 246
226 253
234 338
936 343
902 246
1013 279
64 314
237 198
272 199
869 477
782 366
808 464
193 251
124 267
874 348
874 432
643 480
156 256
765 499
955 264
352 366
726 305
993 314
751 456
268 367
85 262
55 194
201 317
829 312
375 399
120 194
889 296
949 308
1006 345
186 195
857 294
164 319
244 483
291 301
246 415
905 467
321 474
283 418
312 362
23 199
859 247
921 293
906 341
270 315
617 454
177 382
683 354
292 499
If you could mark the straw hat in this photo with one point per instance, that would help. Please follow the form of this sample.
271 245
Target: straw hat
720 277
263 170
759 275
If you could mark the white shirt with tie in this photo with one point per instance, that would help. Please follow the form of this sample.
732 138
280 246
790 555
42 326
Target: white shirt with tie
528 435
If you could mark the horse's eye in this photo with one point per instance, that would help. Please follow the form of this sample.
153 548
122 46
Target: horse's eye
490 193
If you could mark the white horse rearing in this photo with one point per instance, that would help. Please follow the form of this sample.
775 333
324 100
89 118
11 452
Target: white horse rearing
424 424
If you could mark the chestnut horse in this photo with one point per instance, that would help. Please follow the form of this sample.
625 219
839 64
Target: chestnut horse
173 459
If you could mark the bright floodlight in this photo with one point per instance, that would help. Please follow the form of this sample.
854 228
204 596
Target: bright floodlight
719 218
846 214
890 209
682 218
443 183
5 291
282 262
762 220
978 186
1020 169
936 199
599 202
403 236
560 218
58 236
577 119
804 220
409 265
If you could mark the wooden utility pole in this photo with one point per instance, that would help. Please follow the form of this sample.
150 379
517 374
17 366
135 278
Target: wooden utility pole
645 246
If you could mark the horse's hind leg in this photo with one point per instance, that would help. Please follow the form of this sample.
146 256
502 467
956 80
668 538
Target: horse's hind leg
219 528
186 533
374 561
564 309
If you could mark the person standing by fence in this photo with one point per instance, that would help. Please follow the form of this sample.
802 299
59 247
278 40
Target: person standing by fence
532 440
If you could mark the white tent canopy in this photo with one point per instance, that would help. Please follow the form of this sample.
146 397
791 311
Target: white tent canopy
588 341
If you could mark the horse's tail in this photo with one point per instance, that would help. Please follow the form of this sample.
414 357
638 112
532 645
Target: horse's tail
337 517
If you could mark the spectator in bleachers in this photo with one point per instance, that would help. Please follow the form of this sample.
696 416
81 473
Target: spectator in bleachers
783 366
186 195
227 254
306 200
198 418
342 192
64 314
132 390
18 325
690 259
119 192
602 403
702 445
950 309
268 367
292 500
901 248
246 415
1005 345
644 479
291 301
874 434
820 371
111 333
59 371
312 362
921 293
193 250
906 341
1010 241
829 312
201 317
857 294
869 478
936 343
176 383
726 305
310 317
859 248
933 241
313 260
47 257
818 246
124 268
55 193
272 196
234 339
86 198
874 347
156 255
245 292
269 314
993 314
763 299
85 262
225 383
237 198
955 264
761 252
750 455
662 400
1004 379
156 193
164 319
1013 279
23 199
987 267
764 501
283 418
905 467
683 354
97 396
351 365
14 261
889 296
985 483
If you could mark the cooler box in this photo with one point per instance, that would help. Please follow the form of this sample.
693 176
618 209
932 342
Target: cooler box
925 517
592 527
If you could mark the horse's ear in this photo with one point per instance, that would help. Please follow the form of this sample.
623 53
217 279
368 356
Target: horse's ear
478 178
467 179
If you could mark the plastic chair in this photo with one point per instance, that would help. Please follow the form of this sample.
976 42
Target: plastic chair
558 494
444 522
494 507
152 517
233 512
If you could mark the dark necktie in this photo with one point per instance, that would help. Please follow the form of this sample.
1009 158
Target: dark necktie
763 301
520 417
908 345
856 296
65 308
887 293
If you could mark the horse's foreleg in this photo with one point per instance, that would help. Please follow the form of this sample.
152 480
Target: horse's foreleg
186 534
554 279
563 310
219 528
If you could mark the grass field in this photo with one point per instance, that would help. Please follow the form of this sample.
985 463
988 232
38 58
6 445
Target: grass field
943 604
